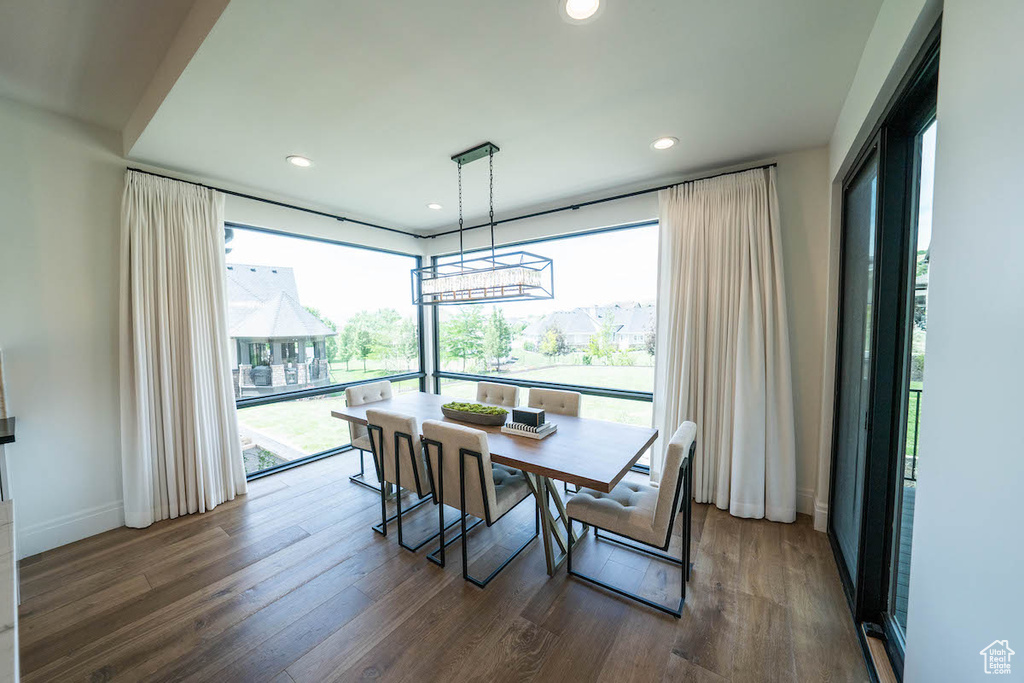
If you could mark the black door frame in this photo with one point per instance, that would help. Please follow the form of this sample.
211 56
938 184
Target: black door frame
895 138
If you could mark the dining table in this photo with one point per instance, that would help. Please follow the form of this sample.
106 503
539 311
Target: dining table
590 453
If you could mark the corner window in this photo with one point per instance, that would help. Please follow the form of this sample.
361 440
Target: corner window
304 325
596 336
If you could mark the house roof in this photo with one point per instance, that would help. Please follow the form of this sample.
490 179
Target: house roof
576 321
630 318
263 302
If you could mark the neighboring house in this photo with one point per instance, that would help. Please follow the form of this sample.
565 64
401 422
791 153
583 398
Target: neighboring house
631 322
275 342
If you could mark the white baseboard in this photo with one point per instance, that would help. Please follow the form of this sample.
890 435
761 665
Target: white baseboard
37 538
820 516
805 501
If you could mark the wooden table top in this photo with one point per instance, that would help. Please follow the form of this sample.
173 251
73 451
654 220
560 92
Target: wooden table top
591 453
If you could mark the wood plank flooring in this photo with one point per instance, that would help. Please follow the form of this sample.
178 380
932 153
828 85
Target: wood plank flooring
288 584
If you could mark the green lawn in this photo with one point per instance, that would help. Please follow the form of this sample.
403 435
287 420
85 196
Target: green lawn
306 424
374 368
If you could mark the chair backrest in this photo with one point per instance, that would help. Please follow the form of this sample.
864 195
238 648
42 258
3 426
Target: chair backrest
669 491
365 393
411 464
497 394
453 438
555 401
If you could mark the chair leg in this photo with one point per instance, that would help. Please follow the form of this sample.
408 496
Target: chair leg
677 612
465 537
361 477
465 551
381 528
438 556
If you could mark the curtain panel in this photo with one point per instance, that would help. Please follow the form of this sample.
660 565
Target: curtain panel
723 357
180 448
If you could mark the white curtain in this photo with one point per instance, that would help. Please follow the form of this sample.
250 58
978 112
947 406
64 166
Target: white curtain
722 358
180 449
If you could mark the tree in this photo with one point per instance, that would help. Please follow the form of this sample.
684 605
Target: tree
331 343
462 336
602 344
347 344
385 330
497 338
409 346
650 340
362 341
364 344
553 344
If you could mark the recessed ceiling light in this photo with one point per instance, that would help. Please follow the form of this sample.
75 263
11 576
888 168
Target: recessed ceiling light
296 160
580 10
435 206
664 143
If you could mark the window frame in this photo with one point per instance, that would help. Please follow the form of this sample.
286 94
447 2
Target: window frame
252 401
604 392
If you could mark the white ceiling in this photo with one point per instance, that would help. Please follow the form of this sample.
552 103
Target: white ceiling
90 59
381 94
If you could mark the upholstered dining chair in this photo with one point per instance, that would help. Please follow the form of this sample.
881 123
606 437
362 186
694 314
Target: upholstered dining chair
557 402
465 478
398 458
644 514
497 394
358 436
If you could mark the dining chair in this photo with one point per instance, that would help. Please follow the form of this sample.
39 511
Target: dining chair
465 478
557 402
497 394
398 459
358 436
644 514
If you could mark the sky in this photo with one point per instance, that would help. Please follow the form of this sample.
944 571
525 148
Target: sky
603 268
340 281
924 215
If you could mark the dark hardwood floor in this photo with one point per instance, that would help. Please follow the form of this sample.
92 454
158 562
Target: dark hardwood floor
290 584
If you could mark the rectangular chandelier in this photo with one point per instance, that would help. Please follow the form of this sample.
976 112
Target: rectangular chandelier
517 276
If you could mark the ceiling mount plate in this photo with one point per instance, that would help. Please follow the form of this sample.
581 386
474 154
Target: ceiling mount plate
478 152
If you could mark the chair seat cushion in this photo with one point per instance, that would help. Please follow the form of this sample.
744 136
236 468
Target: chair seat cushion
362 443
627 510
510 489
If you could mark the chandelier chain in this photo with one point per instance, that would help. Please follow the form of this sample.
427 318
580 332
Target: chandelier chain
490 156
461 257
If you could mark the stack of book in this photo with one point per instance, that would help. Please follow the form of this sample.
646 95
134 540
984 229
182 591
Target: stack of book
529 431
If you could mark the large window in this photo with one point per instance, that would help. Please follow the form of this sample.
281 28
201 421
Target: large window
307 318
596 336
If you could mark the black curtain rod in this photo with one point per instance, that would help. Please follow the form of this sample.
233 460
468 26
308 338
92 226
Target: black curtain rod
343 219
578 205
336 217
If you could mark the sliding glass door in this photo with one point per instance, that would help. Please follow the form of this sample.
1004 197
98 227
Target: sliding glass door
913 379
860 211
880 360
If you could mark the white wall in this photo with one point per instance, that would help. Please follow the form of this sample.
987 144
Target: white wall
60 190
803 200
965 582
900 29
60 199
